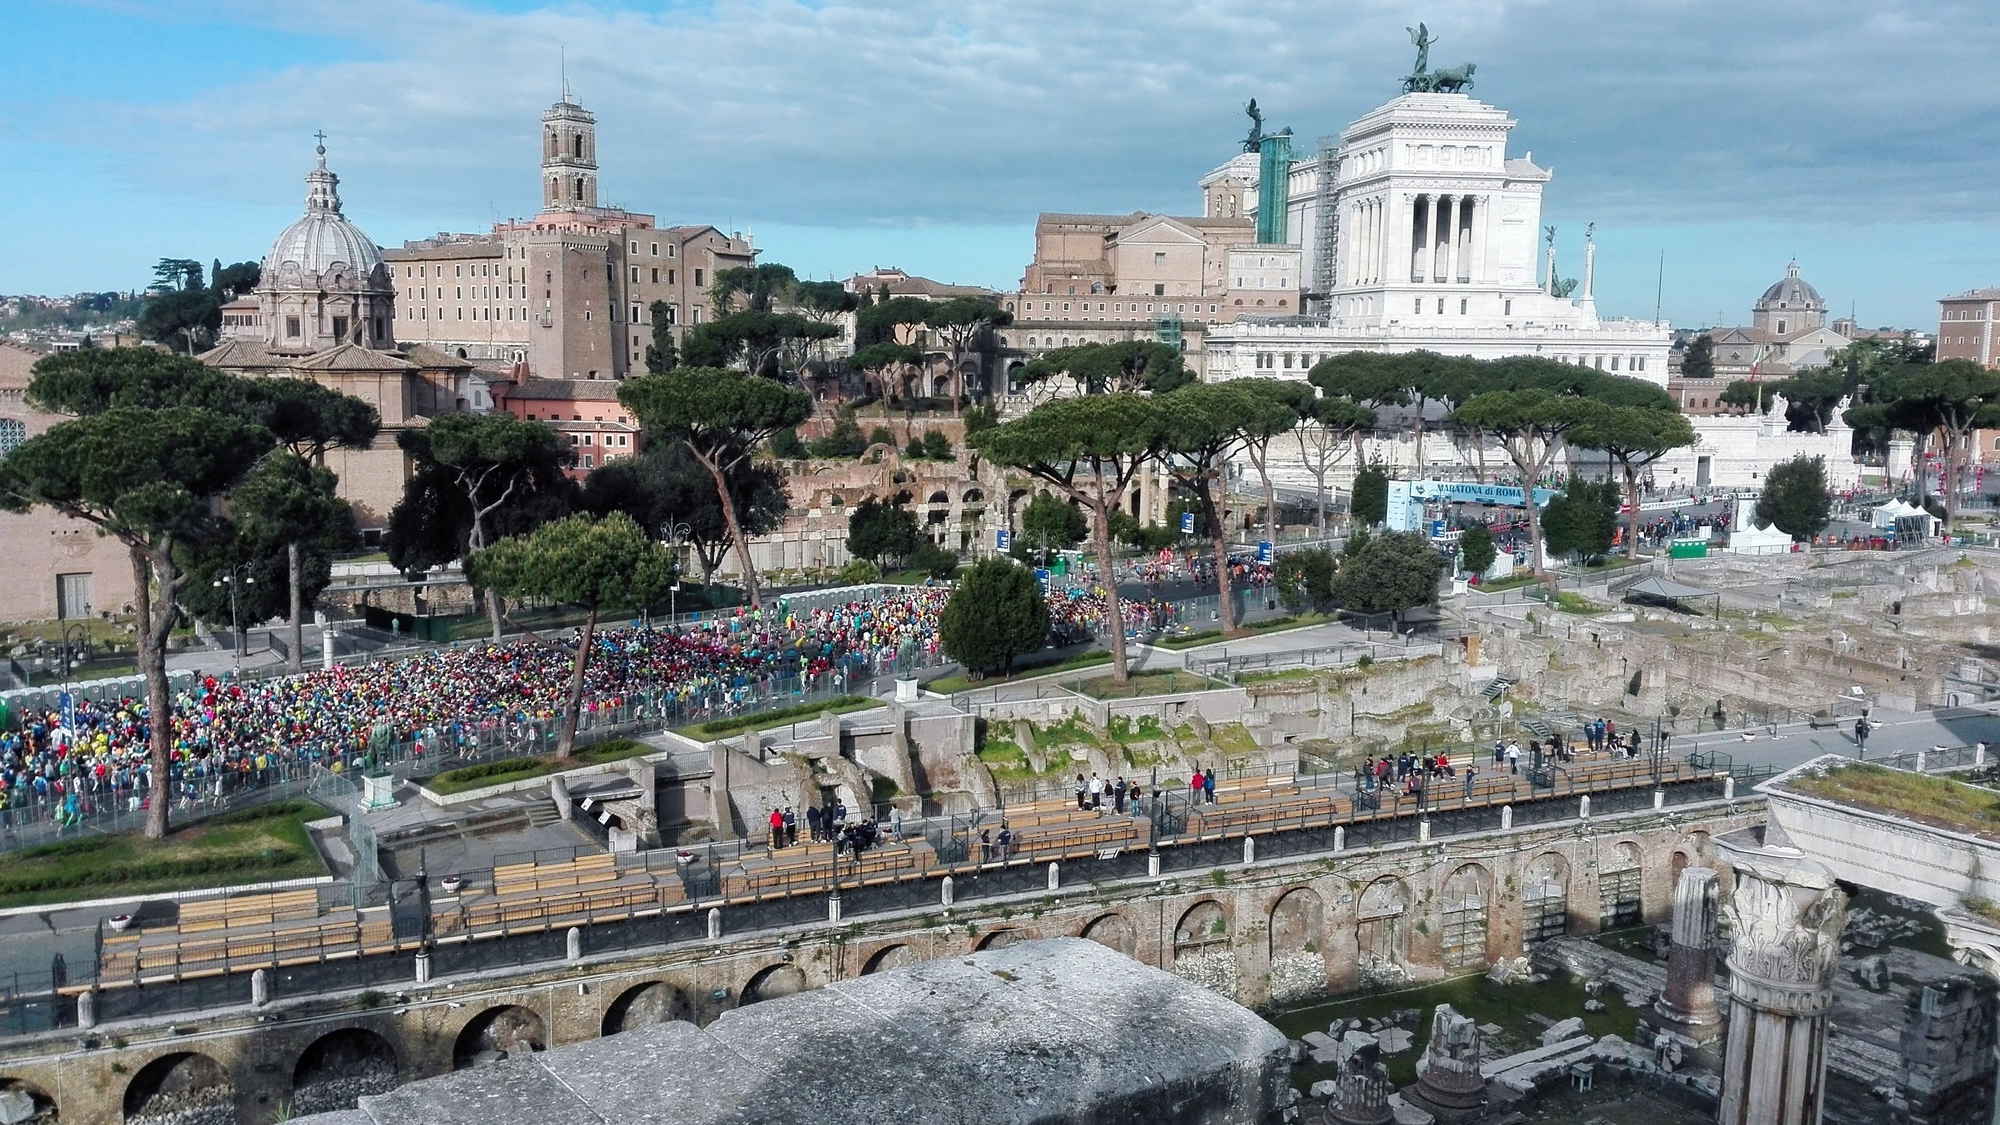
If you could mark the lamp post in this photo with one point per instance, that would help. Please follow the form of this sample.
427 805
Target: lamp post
237 576
676 534
75 646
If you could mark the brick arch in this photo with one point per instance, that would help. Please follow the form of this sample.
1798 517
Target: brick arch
646 1004
1113 931
776 981
46 1108
1545 898
1464 904
510 1028
1002 938
180 1081
1297 937
891 957
341 1066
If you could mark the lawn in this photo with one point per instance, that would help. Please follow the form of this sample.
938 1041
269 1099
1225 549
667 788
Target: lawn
1933 800
256 845
488 774
959 681
1279 676
1274 625
719 728
1145 683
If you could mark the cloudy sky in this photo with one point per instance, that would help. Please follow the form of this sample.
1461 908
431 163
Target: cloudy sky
1860 136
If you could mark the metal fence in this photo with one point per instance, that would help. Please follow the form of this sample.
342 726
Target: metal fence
1234 668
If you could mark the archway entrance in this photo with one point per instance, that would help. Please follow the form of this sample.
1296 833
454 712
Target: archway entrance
645 1005
1466 894
1618 882
776 981
184 1086
498 1033
1545 900
1298 967
340 1067
894 957
1380 941
1114 931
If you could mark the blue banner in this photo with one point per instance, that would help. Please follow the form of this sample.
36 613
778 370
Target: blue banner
1264 552
1187 523
1003 539
1466 492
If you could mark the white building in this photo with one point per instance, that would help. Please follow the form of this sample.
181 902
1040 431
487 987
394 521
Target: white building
1425 238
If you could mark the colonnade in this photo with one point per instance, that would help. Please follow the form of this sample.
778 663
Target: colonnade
1444 237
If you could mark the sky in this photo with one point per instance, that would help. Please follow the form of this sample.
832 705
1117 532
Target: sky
1721 138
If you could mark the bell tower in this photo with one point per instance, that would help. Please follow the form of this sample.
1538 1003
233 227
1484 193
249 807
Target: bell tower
569 156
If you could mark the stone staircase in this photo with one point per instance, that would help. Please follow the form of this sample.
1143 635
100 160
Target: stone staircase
1537 728
543 811
1498 687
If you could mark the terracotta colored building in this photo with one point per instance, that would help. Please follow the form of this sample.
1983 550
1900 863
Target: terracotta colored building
585 411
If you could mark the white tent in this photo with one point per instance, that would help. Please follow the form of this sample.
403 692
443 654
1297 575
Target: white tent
1887 514
1754 540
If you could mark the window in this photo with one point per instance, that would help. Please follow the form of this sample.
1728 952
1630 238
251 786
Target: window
635 314
1461 306
1418 308
635 275
697 279
1507 307
1158 291
656 249
1781 328
1440 304
656 275
635 248
1159 257
694 315
292 326
1614 363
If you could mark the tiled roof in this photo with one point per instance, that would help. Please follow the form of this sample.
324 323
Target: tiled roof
423 355
566 390
241 353
351 357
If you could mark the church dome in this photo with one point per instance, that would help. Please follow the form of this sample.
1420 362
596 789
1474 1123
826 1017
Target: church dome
1791 293
322 247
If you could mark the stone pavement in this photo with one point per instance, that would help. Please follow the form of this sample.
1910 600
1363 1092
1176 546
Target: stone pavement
1894 733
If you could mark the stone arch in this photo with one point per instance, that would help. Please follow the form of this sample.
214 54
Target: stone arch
1620 875
891 957
973 496
940 386
1297 944
183 1085
1545 899
497 1033
1381 931
340 1067
776 981
1001 938
644 1005
45 1111
1201 947
939 497
1467 893
1113 931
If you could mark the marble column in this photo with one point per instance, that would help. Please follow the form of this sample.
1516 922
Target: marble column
1689 999
1420 239
1785 917
1361 1083
1468 214
1441 240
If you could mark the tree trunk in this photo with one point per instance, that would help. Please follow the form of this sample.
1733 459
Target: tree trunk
1205 495
573 706
293 659
156 626
1631 497
1418 471
1528 473
735 528
1114 619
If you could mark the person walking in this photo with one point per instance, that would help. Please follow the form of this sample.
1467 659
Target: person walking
812 823
1194 786
1208 786
1471 772
1514 757
791 826
1118 797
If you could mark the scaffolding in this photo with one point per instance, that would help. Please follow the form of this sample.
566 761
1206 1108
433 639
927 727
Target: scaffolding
1167 330
1326 228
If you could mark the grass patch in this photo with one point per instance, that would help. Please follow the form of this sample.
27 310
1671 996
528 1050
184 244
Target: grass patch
1006 761
511 770
1279 676
1274 625
254 845
1933 800
1144 683
958 681
718 728
1575 603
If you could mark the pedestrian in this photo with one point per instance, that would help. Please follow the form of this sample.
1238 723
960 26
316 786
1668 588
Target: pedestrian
1118 797
1471 771
896 822
1006 840
791 827
1096 794
985 844
1208 785
1082 792
1499 753
777 839
1513 757
812 823
1194 786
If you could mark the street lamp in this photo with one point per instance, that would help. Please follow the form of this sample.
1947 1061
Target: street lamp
676 534
237 576
75 646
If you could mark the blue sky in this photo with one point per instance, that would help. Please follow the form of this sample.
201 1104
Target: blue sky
1860 136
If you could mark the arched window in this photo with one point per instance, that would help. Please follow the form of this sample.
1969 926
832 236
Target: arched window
578 140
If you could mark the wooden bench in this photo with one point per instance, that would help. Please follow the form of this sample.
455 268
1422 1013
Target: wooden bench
885 863
220 913
1216 820
1077 839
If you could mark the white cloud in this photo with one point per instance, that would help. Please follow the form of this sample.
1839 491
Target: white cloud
897 113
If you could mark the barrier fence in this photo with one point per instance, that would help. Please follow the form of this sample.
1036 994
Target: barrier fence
1170 829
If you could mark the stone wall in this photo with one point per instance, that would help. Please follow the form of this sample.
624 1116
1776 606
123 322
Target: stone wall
1270 929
